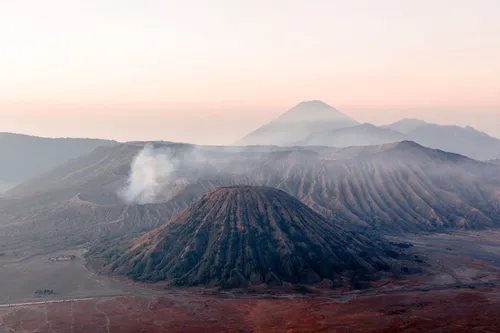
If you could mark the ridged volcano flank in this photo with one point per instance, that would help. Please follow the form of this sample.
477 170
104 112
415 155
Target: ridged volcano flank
238 235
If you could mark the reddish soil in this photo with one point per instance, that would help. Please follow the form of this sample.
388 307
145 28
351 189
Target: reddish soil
476 310
455 260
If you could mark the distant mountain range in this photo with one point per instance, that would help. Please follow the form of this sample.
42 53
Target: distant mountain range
392 188
338 130
461 140
358 135
311 123
24 156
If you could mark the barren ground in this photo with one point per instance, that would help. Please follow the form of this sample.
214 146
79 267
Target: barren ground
69 279
460 292
435 311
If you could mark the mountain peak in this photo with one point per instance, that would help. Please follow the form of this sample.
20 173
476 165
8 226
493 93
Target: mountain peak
475 131
408 144
240 235
409 122
406 125
415 150
312 109
412 120
314 103
298 123
405 145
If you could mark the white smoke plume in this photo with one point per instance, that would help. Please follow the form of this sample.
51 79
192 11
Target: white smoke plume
159 174
149 171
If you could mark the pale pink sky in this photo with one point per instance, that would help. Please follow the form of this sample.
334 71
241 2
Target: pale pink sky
209 71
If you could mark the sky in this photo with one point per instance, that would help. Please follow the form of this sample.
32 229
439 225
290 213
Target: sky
209 71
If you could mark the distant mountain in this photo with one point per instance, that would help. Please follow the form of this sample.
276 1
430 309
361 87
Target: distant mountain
359 135
406 125
24 157
315 123
495 161
461 140
297 124
397 187
236 236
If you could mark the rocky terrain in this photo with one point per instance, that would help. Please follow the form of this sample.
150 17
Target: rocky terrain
392 188
240 235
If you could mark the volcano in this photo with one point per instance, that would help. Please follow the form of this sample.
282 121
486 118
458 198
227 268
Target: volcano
297 124
241 235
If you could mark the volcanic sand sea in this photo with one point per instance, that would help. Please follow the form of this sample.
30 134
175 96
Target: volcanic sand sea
434 311
68 278
467 300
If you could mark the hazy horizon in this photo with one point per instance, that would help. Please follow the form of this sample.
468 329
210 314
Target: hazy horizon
150 127
210 72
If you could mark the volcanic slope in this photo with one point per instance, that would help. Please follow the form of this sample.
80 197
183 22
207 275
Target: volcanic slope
235 236
397 187
401 187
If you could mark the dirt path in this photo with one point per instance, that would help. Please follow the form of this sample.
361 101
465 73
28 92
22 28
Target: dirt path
96 307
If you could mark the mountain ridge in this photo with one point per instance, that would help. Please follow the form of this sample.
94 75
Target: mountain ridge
346 132
25 156
392 188
406 125
358 135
